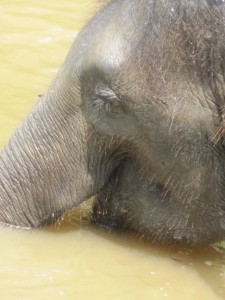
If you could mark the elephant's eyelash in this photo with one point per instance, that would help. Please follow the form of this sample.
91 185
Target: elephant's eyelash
98 103
104 96
106 93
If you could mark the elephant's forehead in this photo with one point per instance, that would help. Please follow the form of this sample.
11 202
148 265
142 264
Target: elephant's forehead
110 48
112 37
109 51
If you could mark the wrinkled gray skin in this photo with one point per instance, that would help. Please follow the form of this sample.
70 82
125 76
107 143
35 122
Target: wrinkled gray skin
136 117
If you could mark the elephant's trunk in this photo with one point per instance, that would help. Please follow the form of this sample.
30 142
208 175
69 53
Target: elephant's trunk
46 167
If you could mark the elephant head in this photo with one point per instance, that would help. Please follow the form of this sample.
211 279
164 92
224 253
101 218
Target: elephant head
135 116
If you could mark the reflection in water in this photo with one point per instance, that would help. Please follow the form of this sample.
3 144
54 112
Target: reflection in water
74 260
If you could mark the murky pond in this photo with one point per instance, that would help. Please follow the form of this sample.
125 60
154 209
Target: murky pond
74 260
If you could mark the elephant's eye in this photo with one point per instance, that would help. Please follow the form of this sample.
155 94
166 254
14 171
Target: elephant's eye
106 97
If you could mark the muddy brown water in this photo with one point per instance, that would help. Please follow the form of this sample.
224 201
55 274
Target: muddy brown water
74 260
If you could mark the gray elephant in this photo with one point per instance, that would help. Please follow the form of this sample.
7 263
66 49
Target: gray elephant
135 117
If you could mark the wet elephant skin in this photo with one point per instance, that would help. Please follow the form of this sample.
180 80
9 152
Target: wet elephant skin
136 117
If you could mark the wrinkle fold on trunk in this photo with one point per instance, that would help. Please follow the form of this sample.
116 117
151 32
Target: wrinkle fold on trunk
46 167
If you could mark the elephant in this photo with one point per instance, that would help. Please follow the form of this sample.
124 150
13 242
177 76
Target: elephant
136 118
